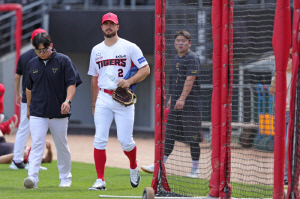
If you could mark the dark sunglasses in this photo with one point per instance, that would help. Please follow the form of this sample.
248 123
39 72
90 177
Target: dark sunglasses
43 50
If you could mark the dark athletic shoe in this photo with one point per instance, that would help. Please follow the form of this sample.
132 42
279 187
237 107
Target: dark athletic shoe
14 165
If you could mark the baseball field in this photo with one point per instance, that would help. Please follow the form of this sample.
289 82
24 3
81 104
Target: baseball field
83 171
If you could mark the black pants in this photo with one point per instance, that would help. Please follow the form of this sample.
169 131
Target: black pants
5 147
194 148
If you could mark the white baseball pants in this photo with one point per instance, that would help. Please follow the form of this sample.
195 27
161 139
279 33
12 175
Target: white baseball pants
58 128
106 110
22 135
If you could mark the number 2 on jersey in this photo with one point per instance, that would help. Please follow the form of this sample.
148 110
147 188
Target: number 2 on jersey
120 72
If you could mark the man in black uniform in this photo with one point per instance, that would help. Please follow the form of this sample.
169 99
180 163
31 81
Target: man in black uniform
51 86
23 129
184 119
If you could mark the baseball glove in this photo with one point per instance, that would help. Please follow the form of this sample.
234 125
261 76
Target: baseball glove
124 96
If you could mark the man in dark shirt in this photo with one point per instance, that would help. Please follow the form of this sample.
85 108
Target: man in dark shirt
23 129
51 86
184 119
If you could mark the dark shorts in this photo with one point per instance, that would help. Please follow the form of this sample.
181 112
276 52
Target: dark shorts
5 147
184 126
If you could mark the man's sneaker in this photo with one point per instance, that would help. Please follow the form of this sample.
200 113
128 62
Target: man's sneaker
195 173
29 183
98 185
14 165
9 126
135 177
43 168
148 169
65 183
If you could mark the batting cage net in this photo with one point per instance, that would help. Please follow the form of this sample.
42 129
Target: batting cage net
216 129
251 117
186 134
295 142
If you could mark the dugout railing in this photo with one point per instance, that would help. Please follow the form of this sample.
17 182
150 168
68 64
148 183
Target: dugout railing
228 35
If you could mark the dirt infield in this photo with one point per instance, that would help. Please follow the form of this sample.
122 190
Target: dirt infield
82 150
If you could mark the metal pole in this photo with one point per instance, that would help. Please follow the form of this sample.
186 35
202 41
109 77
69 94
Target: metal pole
110 4
49 4
86 3
132 2
241 98
108 196
43 6
12 35
122 3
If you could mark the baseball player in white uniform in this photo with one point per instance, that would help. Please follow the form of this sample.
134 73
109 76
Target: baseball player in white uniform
109 63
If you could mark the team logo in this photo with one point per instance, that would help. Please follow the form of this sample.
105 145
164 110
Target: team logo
195 137
108 15
54 70
112 62
120 56
98 57
141 60
35 71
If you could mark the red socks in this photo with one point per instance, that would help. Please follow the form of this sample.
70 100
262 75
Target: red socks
100 160
132 157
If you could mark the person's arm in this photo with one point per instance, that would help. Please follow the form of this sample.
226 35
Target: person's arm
65 107
140 75
48 157
6 159
272 87
28 95
169 102
17 89
95 91
188 84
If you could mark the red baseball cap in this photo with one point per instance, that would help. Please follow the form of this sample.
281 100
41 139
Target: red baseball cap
37 31
110 17
2 90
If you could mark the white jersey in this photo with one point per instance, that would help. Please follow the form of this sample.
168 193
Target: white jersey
114 61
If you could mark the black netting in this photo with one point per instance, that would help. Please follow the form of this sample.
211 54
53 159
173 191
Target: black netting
251 136
188 131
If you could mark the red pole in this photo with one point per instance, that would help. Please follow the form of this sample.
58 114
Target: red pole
295 68
18 38
281 45
216 97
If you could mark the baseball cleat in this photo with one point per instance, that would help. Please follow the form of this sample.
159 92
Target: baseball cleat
148 169
135 177
65 183
15 165
98 185
29 183
195 173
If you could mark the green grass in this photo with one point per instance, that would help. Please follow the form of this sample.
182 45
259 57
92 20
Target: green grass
84 175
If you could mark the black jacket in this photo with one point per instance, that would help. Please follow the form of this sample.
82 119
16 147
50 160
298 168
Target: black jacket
48 84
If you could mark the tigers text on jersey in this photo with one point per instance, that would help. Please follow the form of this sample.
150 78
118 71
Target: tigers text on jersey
113 63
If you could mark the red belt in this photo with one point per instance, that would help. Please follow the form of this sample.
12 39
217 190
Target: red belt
110 92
